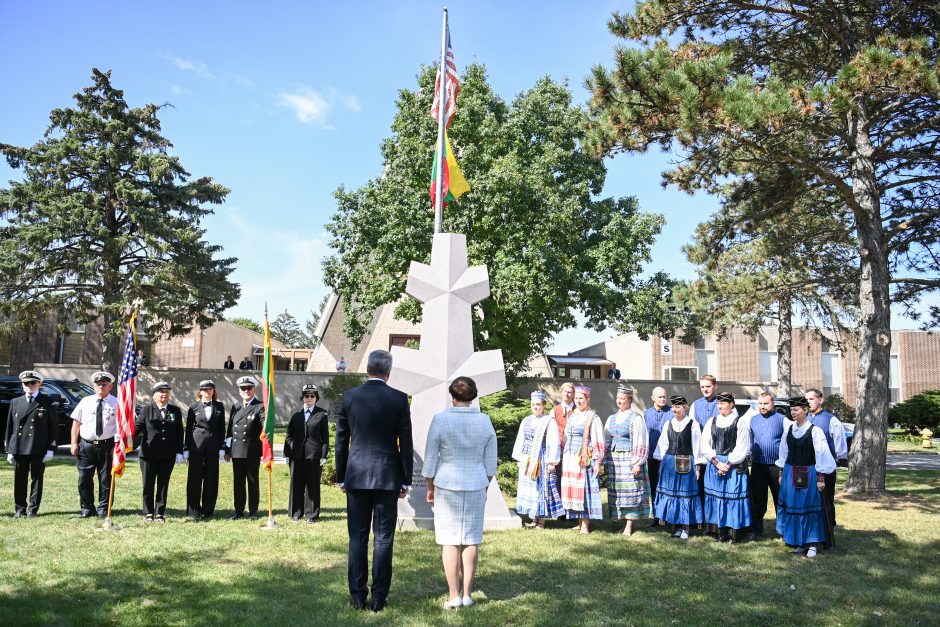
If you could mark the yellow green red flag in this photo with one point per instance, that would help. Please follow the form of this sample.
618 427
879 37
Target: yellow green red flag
454 182
267 397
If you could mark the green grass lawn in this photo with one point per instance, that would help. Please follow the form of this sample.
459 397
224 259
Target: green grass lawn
910 447
59 569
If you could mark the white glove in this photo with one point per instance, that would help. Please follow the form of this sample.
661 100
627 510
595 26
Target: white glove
180 457
322 460
10 458
228 442
185 455
47 456
221 454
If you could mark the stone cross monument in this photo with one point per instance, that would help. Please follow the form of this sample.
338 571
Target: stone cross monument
448 289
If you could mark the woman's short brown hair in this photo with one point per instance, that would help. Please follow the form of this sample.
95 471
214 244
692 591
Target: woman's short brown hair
463 389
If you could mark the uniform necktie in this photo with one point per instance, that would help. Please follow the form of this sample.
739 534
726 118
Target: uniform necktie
307 415
99 418
163 413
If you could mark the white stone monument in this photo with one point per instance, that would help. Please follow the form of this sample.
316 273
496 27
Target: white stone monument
448 289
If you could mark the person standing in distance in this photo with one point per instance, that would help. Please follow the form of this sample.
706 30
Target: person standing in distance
374 464
246 364
32 428
93 427
229 364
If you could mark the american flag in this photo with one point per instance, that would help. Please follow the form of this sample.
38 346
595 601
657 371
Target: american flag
452 85
126 402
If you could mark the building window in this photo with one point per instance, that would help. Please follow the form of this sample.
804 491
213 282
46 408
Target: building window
706 361
768 366
680 373
408 341
832 373
894 378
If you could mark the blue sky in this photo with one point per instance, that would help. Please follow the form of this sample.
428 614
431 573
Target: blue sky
283 102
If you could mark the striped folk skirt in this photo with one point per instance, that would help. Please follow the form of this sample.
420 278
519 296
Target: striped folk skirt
727 499
539 497
580 491
678 502
458 516
628 497
799 511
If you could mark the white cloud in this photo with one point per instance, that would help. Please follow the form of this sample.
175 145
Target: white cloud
239 79
308 105
312 107
179 91
188 65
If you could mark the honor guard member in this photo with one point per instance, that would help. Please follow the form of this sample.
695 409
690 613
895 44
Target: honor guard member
243 446
93 427
305 448
32 428
158 433
203 447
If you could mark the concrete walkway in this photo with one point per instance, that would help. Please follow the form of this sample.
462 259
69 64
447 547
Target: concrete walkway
914 461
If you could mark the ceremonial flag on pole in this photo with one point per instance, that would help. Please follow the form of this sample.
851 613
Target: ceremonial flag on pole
451 85
126 401
267 397
454 182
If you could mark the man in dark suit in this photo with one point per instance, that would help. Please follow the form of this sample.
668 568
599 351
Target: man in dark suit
32 427
246 364
614 372
374 463
229 364
243 447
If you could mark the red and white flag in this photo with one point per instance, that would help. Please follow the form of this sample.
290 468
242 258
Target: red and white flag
126 401
452 86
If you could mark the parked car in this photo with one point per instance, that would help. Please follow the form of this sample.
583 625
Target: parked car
64 394
749 405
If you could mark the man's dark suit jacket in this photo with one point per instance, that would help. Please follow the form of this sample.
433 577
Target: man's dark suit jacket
374 450
32 426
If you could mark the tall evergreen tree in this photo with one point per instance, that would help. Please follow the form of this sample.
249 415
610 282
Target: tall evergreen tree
846 94
550 247
105 215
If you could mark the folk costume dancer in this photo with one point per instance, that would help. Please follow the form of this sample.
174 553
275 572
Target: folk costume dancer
805 462
627 444
678 500
725 446
767 426
656 417
834 430
581 462
538 451
701 410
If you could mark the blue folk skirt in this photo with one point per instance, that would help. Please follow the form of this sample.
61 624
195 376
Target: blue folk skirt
677 497
727 498
799 511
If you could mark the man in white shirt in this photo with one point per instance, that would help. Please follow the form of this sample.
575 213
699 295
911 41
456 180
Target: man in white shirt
95 422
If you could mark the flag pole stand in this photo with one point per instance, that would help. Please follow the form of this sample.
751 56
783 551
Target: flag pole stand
270 524
107 525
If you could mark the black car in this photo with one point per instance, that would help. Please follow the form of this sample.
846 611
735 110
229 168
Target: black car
64 394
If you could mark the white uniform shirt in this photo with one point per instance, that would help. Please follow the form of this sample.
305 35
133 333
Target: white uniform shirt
84 413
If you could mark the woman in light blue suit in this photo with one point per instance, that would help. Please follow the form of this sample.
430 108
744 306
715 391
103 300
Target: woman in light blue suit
459 462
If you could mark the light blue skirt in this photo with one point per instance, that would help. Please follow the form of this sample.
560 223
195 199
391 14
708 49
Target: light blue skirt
677 497
799 511
727 498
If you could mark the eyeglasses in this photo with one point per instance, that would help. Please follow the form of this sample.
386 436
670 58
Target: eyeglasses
30 382
310 395
245 388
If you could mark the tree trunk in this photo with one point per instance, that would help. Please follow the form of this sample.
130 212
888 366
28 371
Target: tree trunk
869 446
784 346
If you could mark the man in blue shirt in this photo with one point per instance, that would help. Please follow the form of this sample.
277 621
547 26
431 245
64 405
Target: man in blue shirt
767 427
655 417
700 411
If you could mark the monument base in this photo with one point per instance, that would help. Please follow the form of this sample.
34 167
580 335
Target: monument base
415 514
489 524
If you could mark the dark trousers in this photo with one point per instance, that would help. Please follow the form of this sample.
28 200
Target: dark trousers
652 466
94 458
830 495
378 508
701 482
202 483
25 466
304 489
156 472
763 476
245 470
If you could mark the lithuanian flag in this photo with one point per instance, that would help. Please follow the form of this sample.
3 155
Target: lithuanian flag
454 182
267 397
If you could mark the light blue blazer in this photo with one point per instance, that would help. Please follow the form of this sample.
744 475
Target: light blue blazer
460 453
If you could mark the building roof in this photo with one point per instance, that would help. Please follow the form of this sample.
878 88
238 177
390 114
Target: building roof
564 360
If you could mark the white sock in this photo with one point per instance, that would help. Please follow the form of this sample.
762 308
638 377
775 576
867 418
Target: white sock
677 534
685 535
811 552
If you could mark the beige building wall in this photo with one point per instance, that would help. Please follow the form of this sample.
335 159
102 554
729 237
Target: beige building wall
633 356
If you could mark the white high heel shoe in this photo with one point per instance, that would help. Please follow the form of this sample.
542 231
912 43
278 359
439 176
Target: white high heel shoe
453 604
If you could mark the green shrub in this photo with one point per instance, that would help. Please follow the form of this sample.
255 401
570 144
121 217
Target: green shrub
507 475
506 411
333 392
836 405
918 412
328 472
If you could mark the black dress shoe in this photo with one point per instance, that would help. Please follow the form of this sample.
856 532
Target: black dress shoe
358 604
756 537
378 605
85 515
252 516
32 514
235 516
311 521
17 514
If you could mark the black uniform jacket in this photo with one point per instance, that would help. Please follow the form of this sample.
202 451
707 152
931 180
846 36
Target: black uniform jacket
205 435
157 437
310 440
244 427
32 426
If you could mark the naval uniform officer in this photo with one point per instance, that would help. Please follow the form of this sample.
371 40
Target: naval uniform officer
305 448
243 446
204 447
93 427
32 429
158 432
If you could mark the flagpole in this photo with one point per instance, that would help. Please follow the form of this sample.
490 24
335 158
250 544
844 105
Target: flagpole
270 523
441 116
